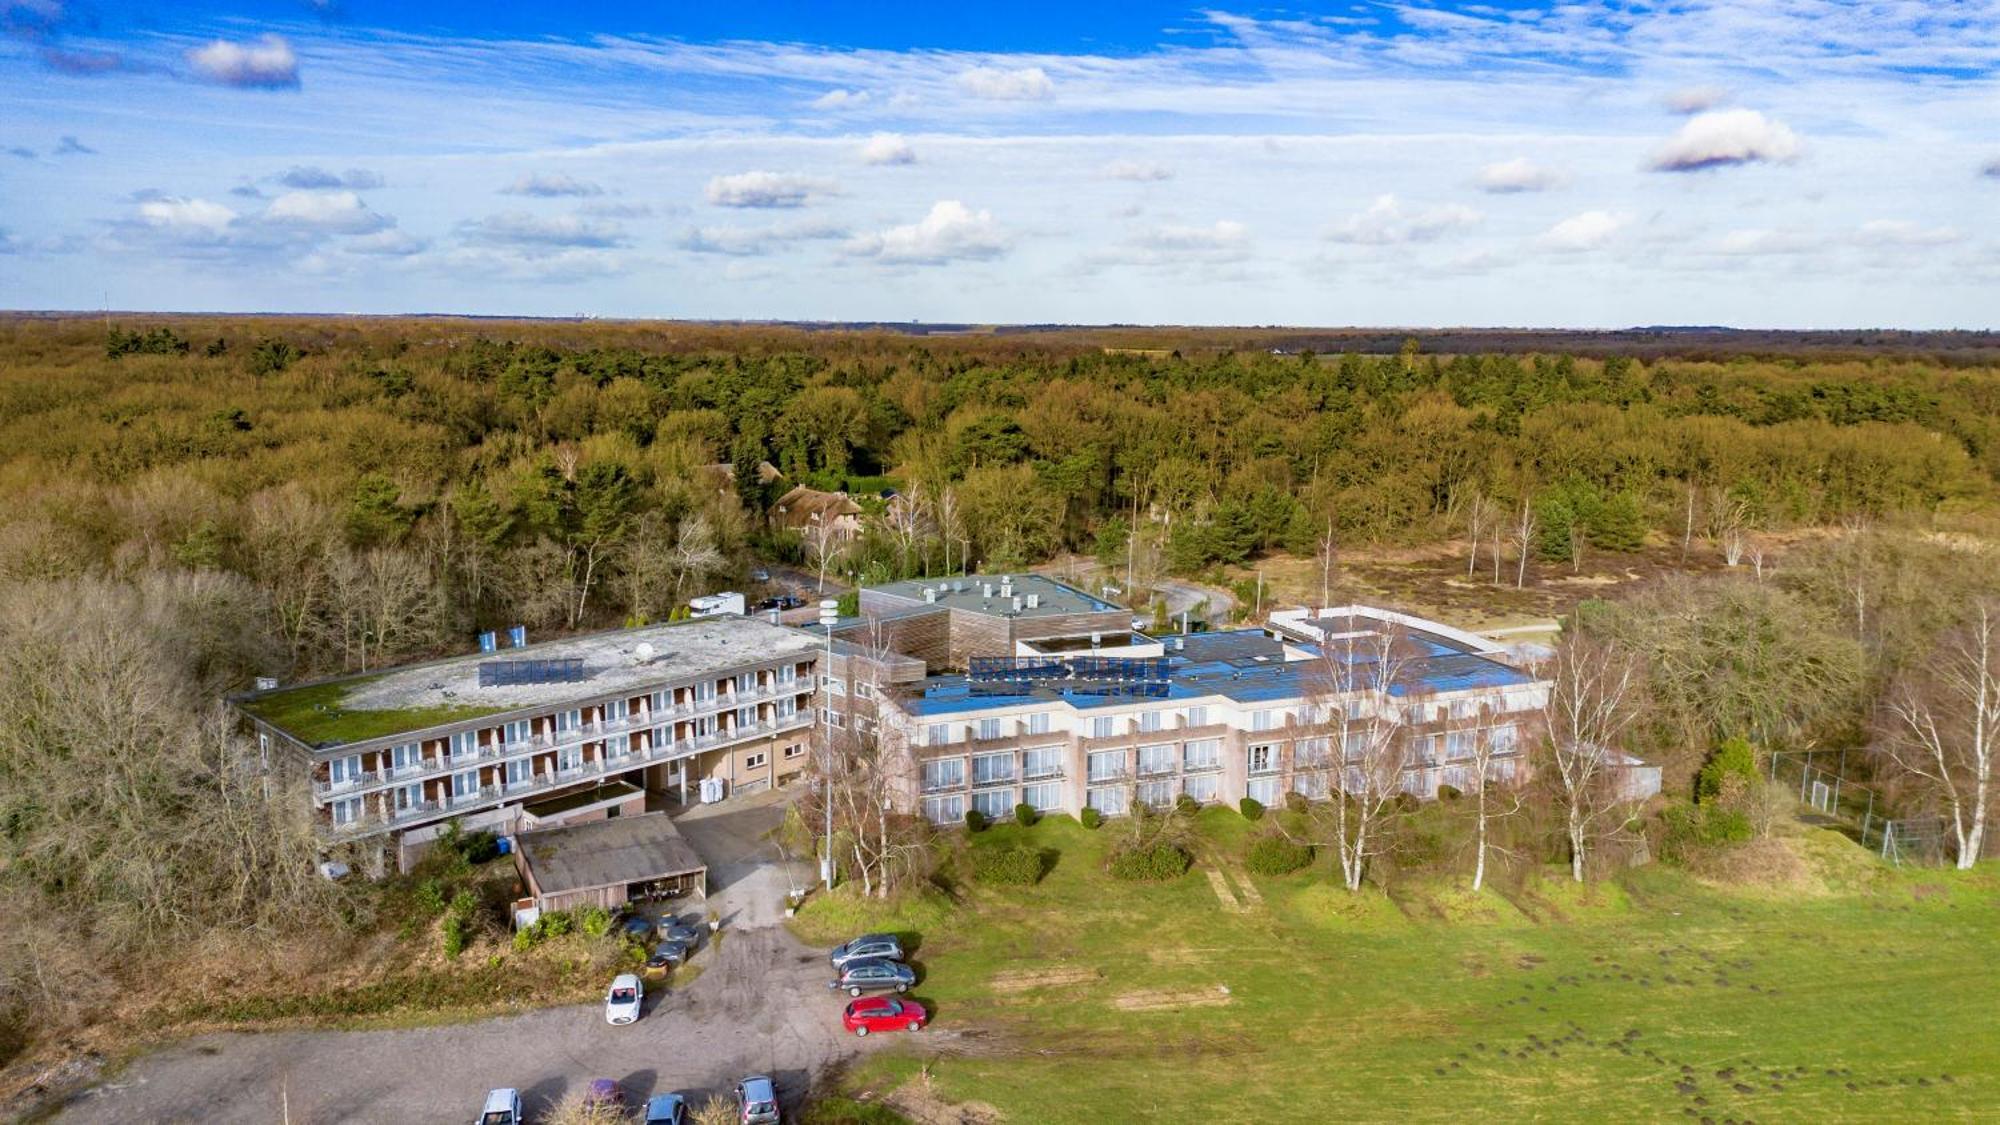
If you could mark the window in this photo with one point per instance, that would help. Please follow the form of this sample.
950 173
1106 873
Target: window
408 797
517 771
938 734
567 722
1197 716
785 708
994 804
704 692
1204 787
617 711
754 761
662 737
1107 765
569 757
862 725
344 771
746 682
1464 709
464 744
944 810
1203 754
657 702
1261 720
1038 723
1355 744
944 773
746 717
1149 720
1311 753
1043 761
864 689
347 811
464 785
1505 737
992 769
1103 726
1156 794
989 728
1263 790
835 719
407 755
704 726
1114 801
1458 744
1264 759
1045 798
795 750
1311 786
788 674
836 686
1156 760
1426 748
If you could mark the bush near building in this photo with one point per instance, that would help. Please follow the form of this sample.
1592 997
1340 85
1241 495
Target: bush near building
1151 863
1275 855
1011 865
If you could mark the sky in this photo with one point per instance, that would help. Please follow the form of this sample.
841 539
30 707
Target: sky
1755 163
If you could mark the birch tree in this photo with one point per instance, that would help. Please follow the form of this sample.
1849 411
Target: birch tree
1942 727
1525 526
1594 699
1491 779
1480 512
1358 701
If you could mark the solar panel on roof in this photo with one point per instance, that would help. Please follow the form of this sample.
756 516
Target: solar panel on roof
549 670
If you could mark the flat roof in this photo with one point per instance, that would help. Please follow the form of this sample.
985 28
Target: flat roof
968 594
607 853
416 697
1240 665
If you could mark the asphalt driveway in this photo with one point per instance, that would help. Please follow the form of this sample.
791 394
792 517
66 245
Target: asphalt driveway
760 1005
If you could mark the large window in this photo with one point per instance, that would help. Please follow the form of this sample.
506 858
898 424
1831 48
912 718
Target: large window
1203 787
464 744
1157 760
1156 794
1311 786
992 769
1038 723
1111 801
1263 790
616 711
1505 737
407 755
1103 726
1311 754
517 771
1045 798
1197 716
1458 744
1264 759
348 811
567 722
989 728
1150 720
944 810
1262 720
944 773
938 734
1043 761
515 733
994 804
1203 754
464 785
344 771
1107 765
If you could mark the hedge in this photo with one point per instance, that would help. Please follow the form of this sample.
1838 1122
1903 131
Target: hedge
1015 865
1090 818
1152 863
1025 815
1275 855
975 821
1251 808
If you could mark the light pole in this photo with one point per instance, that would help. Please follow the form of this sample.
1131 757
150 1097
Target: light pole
829 612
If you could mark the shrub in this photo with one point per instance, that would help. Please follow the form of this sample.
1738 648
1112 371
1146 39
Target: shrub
1295 802
1090 818
1734 758
1449 793
458 923
1407 802
1151 863
975 821
1015 865
1251 808
594 921
1025 814
1186 805
1275 855
430 898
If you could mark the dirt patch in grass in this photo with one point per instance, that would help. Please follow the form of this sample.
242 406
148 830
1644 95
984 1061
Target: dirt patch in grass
1173 999
1180 955
917 1101
1058 976
1767 863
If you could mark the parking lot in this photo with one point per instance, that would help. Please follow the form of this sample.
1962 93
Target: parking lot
760 1004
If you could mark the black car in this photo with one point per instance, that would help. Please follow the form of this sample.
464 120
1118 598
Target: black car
867 947
681 930
667 955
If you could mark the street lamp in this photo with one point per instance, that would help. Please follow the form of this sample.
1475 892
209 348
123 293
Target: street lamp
829 613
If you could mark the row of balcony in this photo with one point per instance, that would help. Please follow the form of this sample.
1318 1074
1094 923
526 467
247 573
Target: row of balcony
487 795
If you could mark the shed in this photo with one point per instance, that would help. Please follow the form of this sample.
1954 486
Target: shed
606 863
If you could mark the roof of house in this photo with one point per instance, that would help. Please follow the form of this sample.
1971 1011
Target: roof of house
980 593
607 853
412 698
802 504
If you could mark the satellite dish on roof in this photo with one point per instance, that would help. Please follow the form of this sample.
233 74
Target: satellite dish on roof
644 651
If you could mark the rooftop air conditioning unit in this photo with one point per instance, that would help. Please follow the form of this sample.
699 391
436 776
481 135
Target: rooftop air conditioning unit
1006 587
1017 605
930 595
1096 640
988 589
1034 601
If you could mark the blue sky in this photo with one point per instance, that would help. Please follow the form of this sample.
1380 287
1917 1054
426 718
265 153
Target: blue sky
1792 163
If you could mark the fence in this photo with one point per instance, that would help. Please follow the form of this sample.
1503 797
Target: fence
1821 786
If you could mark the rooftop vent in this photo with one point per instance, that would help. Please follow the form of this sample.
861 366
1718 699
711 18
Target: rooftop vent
1034 601
988 589
1017 605
1096 640
930 595
645 652
517 636
489 641
1007 587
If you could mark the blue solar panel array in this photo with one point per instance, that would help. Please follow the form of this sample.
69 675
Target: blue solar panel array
556 670
1087 675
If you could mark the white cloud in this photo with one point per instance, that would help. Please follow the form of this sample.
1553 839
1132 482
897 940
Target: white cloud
841 99
888 148
1690 100
1759 242
1724 138
1902 232
1520 174
518 228
180 214
263 63
335 212
950 232
550 185
1140 171
1591 230
384 244
1225 240
1026 84
1387 222
750 241
768 189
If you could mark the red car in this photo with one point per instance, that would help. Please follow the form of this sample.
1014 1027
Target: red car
884 1013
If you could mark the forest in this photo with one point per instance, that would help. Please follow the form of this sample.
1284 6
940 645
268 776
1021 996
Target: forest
193 501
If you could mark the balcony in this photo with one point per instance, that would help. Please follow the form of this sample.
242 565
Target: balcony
1109 777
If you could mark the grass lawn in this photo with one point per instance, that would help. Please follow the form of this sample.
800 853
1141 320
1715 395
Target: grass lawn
315 714
1866 993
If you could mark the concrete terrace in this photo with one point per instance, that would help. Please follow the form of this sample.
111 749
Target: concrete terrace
415 697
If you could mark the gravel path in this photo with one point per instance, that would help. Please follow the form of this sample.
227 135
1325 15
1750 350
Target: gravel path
760 1005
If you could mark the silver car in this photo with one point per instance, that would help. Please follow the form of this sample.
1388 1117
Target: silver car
867 947
757 1100
874 976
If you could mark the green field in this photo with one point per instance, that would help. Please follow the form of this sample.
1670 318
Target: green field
1860 993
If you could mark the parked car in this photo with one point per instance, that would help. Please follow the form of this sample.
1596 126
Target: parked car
666 1109
790 601
503 1107
636 928
757 1100
604 1093
624 998
681 930
867 947
759 574
874 976
667 955
884 1013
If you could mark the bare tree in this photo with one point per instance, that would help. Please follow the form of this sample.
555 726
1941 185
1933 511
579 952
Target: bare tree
1492 777
1594 699
1328 560
695 555
908 522
1687 529
950 524
826 545
1943 726
860 771
1525 527
1357 700
1480 513
1727 518
381 603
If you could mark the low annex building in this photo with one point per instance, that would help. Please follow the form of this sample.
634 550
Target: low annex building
605 863
486 738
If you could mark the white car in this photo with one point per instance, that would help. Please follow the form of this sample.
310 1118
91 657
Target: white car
623 999
503 1107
